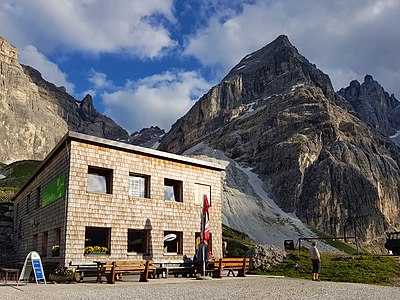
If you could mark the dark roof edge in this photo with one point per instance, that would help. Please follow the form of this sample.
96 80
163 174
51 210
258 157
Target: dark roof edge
147 151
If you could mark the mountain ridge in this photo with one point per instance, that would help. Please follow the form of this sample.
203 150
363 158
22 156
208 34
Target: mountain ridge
35 114
315 156
274 113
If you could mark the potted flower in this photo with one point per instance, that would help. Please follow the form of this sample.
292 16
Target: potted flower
55 250
95 250
63 274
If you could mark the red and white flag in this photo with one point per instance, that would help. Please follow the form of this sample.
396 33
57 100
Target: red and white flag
205 221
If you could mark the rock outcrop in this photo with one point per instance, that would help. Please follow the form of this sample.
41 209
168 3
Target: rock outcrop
372 104
35 114
264 257
278 114
147 137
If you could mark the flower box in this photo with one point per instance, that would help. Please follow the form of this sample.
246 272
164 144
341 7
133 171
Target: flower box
96 250
97 253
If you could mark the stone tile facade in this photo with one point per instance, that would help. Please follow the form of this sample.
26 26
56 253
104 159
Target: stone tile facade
79 209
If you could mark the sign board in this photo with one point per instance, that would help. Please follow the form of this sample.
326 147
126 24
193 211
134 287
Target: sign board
53 191
32 262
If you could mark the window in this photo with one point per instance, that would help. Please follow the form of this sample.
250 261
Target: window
197 241
138 241
38 195
139 186
28 202
99 180
201 190
35 242
98 236
45 239
172 190
55 249
173 242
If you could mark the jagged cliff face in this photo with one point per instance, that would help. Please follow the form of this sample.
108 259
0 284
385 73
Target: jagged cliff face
35 114
278 114
373 105
30 128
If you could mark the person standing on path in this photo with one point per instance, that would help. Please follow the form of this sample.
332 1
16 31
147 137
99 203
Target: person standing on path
316 261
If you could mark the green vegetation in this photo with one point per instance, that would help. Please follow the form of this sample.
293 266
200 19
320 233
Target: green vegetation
370 269
338 243
237 242
16 174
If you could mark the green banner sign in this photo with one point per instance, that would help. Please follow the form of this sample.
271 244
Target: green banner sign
53 191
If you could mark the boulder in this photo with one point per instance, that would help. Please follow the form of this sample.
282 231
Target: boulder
263 257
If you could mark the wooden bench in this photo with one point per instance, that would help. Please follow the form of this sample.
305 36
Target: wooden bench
231 264
144 267
84 268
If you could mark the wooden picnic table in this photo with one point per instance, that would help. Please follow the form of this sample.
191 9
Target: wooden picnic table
9 271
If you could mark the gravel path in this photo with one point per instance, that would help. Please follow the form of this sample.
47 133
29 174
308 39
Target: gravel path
251 287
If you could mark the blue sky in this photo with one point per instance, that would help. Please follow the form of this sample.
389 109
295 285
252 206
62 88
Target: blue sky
145 62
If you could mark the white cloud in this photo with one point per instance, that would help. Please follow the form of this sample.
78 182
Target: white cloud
99 80
95 26
49 70
349 37
155 100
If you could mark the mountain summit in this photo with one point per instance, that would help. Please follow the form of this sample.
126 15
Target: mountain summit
35 114
277 114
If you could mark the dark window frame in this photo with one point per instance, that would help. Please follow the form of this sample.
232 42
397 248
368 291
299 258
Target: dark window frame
38 197
93 233
146 185
35 242
177 186
144 241
176 244
100 172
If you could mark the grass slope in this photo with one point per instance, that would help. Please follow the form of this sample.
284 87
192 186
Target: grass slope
16 174
369 269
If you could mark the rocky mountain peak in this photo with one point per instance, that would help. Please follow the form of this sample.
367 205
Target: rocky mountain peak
368 78
259 77
277 114
373 105
8 53
36 114
275 68
86 109
147 137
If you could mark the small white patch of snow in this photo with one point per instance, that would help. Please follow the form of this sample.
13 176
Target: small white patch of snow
395 135
242 67
155 145
248 56
250 107
2 176
294 87
78 104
